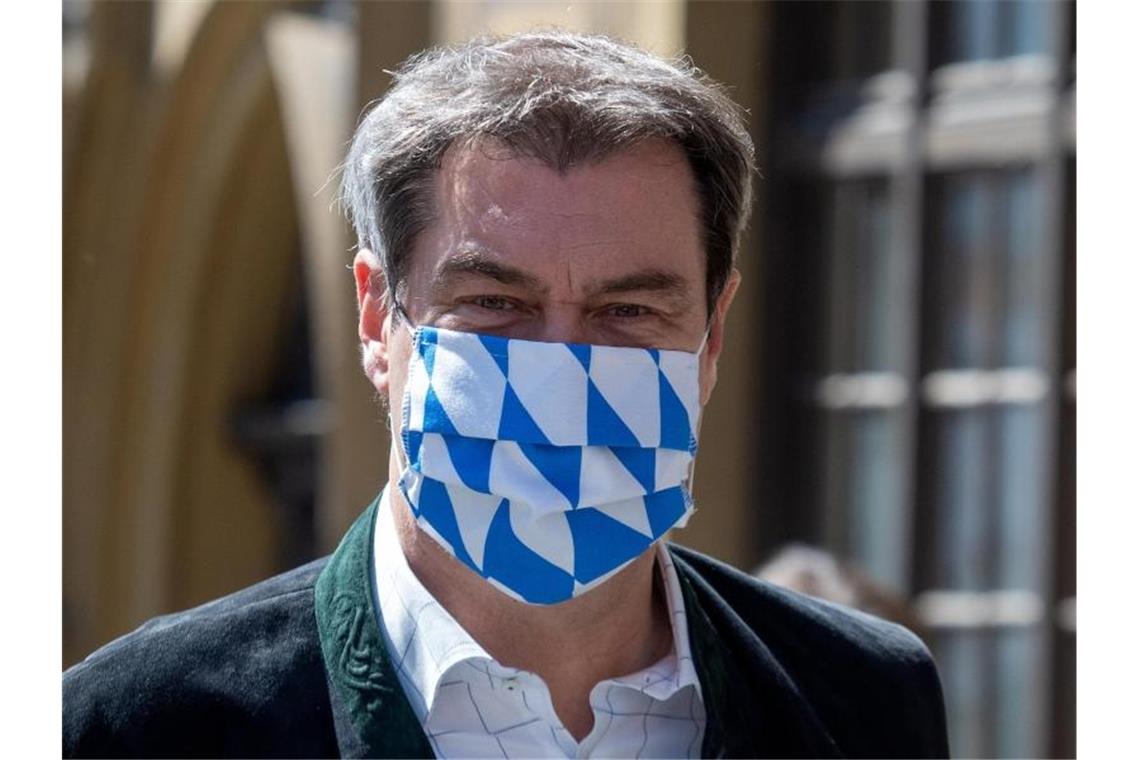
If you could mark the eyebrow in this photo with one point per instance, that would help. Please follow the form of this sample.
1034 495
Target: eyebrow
651 280
468 263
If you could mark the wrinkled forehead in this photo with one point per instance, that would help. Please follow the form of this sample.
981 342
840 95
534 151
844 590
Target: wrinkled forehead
490 187
632 210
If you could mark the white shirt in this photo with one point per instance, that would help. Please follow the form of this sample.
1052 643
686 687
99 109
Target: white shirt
471 706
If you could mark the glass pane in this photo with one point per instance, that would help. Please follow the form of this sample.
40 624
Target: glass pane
844 228
961 475
835 448
986 270
877 338
877 498
1024 518
1026 27
967 688
864 282
862 482
973 30
1020 692
1023 211
977 30
962 272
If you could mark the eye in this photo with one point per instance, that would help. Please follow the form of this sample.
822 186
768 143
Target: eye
627 310
493 303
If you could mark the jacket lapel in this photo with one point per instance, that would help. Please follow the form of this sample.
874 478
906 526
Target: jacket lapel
372 716
754 708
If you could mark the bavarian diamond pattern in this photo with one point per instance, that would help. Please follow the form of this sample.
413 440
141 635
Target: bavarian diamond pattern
546 467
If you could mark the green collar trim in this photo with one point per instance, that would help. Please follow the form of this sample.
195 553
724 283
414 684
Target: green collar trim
356 658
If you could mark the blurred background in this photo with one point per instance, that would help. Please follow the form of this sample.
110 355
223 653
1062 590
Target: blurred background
899 389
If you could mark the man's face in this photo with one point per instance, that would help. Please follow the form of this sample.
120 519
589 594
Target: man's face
608 253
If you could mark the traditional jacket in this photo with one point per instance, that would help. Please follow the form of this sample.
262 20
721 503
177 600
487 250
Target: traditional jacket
295 666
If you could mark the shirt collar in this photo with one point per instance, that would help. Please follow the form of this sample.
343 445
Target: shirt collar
426 642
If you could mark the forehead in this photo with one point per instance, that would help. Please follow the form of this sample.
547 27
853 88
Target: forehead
634 209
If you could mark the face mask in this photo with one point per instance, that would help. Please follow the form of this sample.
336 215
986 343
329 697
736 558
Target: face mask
547 467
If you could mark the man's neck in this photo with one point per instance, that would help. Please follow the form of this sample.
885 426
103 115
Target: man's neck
618 628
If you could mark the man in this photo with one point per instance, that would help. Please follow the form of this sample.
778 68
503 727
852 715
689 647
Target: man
547 228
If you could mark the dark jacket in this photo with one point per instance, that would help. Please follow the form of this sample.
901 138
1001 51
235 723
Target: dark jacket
295 666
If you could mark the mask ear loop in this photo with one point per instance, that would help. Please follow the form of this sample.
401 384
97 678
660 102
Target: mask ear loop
691 479
401 314
704 343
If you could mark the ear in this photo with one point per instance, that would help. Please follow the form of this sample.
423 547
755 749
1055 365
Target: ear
715 343
373 327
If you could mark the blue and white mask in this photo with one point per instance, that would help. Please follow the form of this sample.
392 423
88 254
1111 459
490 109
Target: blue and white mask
547 467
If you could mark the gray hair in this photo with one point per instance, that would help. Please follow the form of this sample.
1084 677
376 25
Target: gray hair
562 98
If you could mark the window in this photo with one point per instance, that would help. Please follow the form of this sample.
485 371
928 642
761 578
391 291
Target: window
918 333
